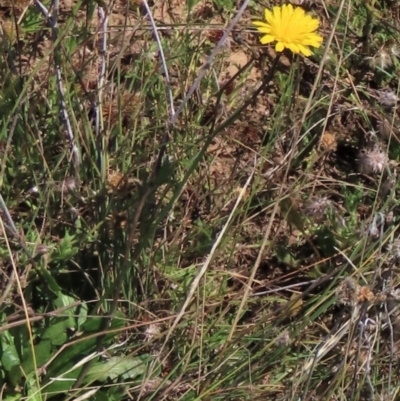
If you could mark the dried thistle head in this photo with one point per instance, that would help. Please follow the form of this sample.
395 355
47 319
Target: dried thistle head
284 338
152 331
388 98
69 184
393 249
385 128
389 218
381 60
317 207
347 292
150 385
372 161
395 294
394 48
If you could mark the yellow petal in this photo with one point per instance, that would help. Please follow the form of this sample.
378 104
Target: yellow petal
267 39
287 11
298 13
305 50
279 47
313 40
313 26
260 23
264 29
277 14
293 47
268 15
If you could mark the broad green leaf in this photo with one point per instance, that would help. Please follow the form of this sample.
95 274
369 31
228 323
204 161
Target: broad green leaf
57 332
61 302
95 324
9 354
78 350
62 383
43 352
124 367
82 314
113 393
15 375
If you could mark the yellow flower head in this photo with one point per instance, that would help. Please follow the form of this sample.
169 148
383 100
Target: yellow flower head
291 28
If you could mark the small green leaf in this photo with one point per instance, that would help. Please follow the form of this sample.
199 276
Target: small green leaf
14 396
9 354
50 281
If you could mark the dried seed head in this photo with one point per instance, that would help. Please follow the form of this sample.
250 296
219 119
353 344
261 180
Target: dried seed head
382 60
347 292
388 98
395 294
385 128
393 249
389 218
371 136
153 330
74 211
394 49
150 385
283 338
318 207
372 161
69 184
